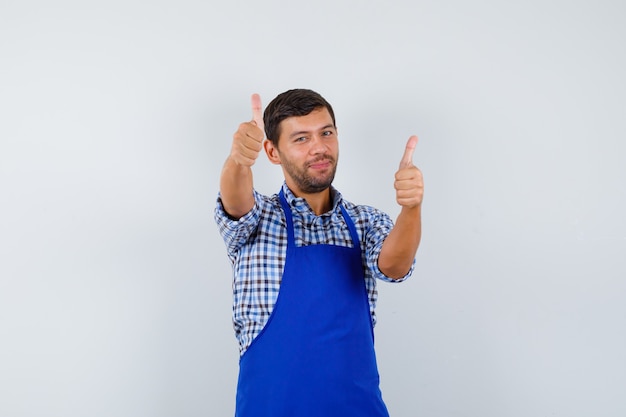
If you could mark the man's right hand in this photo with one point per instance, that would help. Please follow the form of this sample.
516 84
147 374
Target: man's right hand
248 139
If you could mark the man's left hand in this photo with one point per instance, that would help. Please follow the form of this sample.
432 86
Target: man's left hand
409 183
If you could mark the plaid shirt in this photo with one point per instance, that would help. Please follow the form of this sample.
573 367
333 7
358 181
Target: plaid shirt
257 247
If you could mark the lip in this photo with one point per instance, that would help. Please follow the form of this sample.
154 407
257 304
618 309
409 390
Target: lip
323 164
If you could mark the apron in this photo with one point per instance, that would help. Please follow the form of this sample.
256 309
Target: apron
315 356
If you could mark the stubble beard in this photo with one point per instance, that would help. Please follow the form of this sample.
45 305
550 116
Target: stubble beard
308 183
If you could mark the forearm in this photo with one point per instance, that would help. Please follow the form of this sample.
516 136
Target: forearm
400 246
236 180
236 189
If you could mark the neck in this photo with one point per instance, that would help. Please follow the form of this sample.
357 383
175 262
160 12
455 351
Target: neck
320 202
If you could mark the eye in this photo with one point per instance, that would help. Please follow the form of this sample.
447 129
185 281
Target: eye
300 139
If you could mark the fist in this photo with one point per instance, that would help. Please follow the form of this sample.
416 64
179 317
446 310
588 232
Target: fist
248 139
409 183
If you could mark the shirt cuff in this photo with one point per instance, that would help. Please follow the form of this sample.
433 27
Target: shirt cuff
236 232
385 278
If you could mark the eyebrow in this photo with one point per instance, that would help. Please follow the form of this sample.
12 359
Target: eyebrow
303 132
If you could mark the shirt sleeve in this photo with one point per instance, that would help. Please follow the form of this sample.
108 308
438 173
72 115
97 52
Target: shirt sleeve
380 224
236 232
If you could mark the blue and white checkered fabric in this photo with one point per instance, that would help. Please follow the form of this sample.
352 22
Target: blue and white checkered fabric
257 247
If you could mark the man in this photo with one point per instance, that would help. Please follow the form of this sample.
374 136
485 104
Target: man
305 264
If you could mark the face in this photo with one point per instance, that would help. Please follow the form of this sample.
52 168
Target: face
307 150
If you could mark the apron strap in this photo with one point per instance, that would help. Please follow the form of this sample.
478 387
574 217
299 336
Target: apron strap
290 232
353 234
291 241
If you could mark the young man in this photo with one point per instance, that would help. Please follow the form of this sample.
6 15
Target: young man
305 264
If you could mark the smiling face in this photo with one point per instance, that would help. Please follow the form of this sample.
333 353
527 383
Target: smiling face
307 149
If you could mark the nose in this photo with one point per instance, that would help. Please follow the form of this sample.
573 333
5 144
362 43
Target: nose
318 145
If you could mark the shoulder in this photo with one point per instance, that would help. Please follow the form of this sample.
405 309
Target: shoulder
363 210
267 207
266 200
373 223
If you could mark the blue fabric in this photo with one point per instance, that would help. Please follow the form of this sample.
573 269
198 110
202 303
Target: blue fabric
257 247
315 356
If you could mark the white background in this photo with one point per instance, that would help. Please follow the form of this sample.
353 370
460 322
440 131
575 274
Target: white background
116 116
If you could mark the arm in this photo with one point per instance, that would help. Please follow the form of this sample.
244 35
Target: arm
236 177
399 248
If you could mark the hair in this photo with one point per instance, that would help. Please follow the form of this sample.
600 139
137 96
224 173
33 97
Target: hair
297 102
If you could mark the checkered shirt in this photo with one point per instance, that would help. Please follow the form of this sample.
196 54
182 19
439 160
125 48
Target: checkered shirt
257 247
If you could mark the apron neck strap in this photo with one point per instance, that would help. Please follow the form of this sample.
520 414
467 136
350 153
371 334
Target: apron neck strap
290 233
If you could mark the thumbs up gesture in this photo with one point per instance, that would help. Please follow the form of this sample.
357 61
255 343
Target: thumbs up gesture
248 139
409 183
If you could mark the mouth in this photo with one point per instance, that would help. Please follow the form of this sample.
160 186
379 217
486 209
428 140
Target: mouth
321 164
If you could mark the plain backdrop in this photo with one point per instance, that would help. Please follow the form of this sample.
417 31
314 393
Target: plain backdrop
116 116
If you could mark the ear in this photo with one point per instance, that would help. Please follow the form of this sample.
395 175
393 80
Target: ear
272 152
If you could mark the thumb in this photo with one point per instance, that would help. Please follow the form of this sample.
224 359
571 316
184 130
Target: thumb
257 115
407 158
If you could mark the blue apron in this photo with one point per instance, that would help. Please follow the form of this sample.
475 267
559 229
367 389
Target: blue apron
315 356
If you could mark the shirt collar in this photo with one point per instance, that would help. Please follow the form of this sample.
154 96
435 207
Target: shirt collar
299 204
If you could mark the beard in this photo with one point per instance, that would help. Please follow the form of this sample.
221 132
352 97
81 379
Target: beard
306 182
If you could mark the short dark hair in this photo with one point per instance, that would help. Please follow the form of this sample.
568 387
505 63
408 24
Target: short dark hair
296 102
